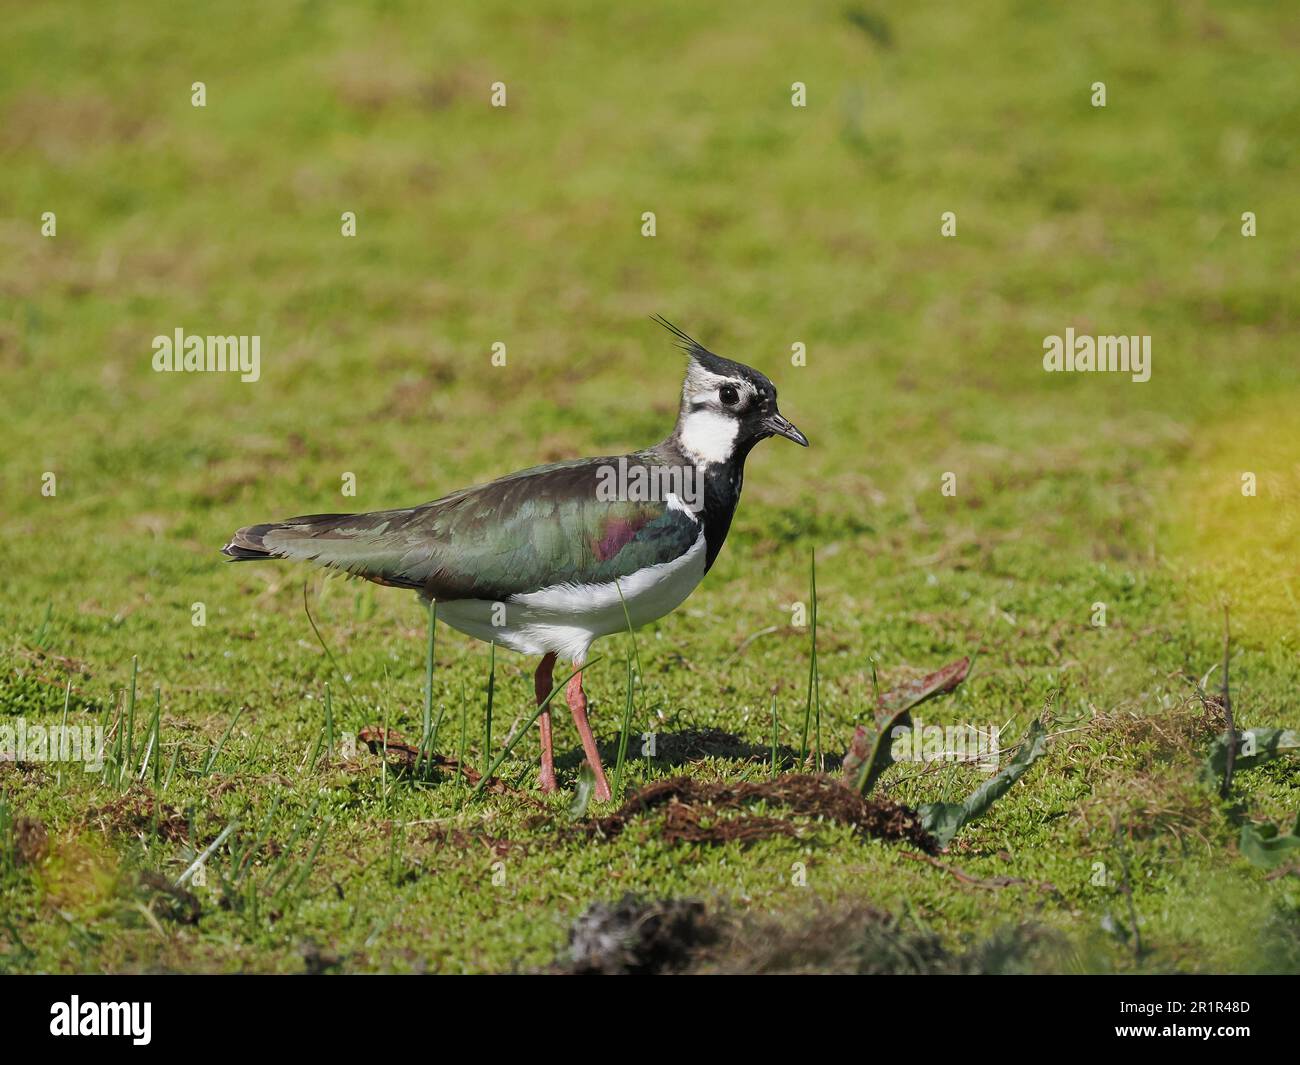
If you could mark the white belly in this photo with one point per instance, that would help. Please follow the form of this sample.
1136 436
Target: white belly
568 618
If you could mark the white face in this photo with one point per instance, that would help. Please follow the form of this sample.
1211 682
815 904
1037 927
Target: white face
708 437
711 409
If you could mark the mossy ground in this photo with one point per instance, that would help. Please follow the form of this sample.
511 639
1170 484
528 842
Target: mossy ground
775 225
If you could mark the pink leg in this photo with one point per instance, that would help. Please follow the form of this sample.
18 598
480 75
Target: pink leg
542 684
578 707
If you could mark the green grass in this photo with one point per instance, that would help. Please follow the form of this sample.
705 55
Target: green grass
776 225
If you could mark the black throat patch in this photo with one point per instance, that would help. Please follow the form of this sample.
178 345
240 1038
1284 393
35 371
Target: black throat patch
722 483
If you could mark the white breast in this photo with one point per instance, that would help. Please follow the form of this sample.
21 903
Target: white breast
568 618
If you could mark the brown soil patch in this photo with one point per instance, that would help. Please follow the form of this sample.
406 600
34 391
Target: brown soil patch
133 814
169 901
691 811
31 840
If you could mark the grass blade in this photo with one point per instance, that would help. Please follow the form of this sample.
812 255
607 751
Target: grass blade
309 763
773 774
208 852
460 754
624 730
287 849
630 705
212 756
329 724
491 692
130 722
814 685
63 731
325 647
171 769
154 725
38 640
309 862
426 742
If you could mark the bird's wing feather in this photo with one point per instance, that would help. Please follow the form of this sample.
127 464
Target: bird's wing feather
534 529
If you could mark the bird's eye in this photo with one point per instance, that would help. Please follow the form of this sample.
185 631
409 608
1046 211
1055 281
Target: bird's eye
728 395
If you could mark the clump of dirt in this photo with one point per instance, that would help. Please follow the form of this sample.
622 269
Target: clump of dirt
392 743
133 814
691 811
30 772
316 961
168 901
31 840
639 937
713 812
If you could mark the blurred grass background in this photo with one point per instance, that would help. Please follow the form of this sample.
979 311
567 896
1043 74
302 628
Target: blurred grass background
775 225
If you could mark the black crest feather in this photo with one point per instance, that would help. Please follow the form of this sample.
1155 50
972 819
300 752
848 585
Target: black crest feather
685 341
708 360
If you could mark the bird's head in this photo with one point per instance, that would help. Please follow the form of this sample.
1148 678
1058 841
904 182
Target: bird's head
727 407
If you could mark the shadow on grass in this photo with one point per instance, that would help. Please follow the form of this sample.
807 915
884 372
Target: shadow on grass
681 748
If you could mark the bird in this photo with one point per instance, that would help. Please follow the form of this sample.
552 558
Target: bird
550 559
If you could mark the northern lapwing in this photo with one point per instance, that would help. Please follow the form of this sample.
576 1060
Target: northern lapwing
546 561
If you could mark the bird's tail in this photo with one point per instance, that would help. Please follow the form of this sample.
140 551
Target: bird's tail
282 539
367 545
